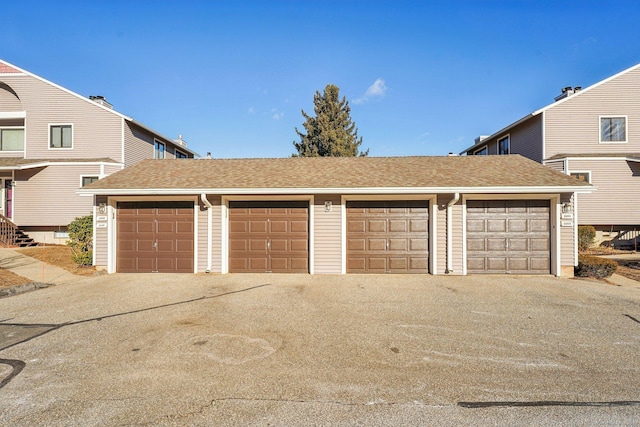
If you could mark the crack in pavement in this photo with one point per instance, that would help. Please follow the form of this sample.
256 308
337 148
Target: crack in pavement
541 403
18 365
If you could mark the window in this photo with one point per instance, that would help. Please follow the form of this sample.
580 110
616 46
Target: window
12 139
86 180
582 176
60 136
503 145
159 148
481 151
180 155
613 129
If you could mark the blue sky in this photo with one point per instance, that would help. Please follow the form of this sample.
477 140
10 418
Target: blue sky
421 77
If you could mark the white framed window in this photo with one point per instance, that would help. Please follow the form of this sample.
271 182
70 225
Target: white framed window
180 155
504 146
158 149
60 136
87 179
12 139
481 151
582 175
613 129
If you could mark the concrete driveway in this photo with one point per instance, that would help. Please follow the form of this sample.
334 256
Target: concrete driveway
279 350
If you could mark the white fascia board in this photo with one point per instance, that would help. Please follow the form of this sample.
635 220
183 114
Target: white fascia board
562 159
13 114
354 191
45 164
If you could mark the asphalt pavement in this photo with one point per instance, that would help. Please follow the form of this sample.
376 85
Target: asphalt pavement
298 350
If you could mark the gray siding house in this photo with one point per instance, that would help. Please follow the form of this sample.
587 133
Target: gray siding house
592 134
452 215
53 142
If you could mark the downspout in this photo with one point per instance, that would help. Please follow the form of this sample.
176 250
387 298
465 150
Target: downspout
206 202
452 202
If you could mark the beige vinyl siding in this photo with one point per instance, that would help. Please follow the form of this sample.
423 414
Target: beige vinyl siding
558 165
526 139
138 144
615 202
573 126
108 170
327 235
100 239
47 196
216 234
201 250
46 104
567 245
8 100
456 236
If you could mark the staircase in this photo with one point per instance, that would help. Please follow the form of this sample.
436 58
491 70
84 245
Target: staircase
12 236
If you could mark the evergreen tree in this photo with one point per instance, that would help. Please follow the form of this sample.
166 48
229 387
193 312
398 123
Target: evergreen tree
331 133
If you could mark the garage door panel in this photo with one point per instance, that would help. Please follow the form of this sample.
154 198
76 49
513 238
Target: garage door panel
516 237
356 226
398 226
398 264
418 226
299 226
279 245
378 265
418 245
258 226
356 245
376 245
475 225
419 264
517 226
496 245
377 226
144 227
539 225
398 245
299 245
540 245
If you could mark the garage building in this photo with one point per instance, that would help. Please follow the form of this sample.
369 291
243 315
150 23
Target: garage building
383 215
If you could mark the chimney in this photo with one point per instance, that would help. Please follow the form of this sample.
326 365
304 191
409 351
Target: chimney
98 99
180 141
567 92
208 154
480 138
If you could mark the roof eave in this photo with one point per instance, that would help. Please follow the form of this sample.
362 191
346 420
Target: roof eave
365 190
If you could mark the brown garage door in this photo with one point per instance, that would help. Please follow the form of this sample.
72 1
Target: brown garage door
388 237
155 237
268 237
508 236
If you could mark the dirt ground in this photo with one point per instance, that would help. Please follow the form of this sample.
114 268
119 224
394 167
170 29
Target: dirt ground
60 256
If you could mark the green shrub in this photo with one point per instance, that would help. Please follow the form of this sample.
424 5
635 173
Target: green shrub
586 237
81 240
591 266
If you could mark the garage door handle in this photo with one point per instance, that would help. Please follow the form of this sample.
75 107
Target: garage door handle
155 245
268 246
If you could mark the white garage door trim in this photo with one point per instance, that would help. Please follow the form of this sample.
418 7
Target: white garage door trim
554 204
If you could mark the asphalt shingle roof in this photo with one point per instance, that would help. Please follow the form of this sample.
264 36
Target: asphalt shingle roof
328 173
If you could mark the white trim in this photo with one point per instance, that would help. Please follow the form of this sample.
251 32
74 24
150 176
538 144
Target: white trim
371 191
575 230
111 235
554 218
13 114
604 157
508 138
268 198
49 126
433 236
343 235
52 163
449 256
430 198
209 207
614 116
